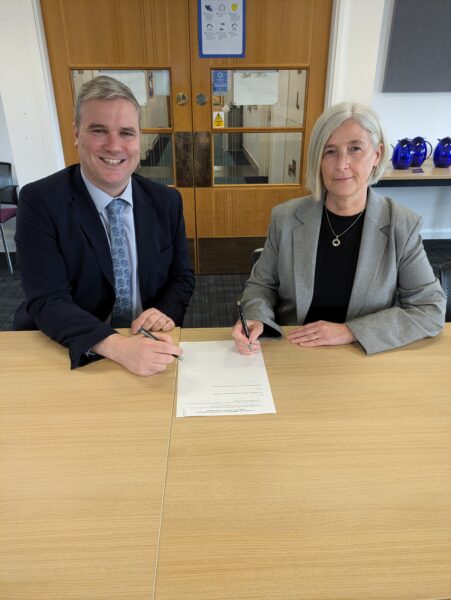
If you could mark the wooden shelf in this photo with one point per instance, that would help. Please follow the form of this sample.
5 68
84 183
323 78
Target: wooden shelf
431 176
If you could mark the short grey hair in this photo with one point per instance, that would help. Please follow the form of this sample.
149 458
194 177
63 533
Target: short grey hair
103 88
331 119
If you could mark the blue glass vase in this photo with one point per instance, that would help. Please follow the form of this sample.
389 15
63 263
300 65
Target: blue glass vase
420 151
402 154
442 153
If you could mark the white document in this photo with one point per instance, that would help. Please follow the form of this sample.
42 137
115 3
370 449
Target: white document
214 379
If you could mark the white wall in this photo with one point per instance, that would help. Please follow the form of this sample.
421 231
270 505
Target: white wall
6 156
5 145
360 33
26 91
408 115
354 48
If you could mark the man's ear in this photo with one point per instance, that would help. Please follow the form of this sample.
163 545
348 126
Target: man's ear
75 130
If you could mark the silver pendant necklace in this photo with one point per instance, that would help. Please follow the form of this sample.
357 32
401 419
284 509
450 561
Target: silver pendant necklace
336 240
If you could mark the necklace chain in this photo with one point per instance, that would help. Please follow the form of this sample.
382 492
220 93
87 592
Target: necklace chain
336 241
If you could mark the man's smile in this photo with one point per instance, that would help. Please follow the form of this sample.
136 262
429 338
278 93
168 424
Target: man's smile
112 161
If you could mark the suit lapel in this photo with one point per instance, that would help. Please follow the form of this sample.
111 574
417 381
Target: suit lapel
372 248
305 245
92 225
145 232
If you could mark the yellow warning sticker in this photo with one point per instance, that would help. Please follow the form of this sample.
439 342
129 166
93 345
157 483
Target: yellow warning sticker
218 119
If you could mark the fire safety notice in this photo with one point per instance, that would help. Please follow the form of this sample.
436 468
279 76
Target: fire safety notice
221 27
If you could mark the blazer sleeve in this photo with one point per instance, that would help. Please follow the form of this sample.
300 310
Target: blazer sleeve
260 296
49 302
419 311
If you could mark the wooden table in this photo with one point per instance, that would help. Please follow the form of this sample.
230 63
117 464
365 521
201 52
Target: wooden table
83 458
345 493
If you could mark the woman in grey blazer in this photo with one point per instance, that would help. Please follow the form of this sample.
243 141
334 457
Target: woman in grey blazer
345 264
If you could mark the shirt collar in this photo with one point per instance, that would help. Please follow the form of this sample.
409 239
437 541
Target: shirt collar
101 199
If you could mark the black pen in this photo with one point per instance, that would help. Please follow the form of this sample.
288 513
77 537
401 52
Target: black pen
244 323
151 336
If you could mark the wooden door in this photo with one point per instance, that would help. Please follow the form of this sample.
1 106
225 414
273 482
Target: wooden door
288 36
126 35
224 220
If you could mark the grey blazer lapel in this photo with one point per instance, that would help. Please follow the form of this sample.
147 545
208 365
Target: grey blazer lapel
305 245
372 248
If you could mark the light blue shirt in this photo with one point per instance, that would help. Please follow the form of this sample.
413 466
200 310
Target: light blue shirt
101 200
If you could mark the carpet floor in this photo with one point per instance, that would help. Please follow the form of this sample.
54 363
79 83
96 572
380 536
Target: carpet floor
213 303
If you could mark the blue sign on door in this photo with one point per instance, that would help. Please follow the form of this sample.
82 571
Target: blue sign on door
220 79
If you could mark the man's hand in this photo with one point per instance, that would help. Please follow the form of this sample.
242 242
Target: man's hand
244 345
153 320
138 354
321 333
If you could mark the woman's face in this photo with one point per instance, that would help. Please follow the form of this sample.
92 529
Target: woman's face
347 162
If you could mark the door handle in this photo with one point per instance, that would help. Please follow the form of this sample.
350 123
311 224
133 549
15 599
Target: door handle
201 99
182 98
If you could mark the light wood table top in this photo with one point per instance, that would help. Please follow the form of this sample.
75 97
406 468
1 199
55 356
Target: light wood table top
345 493
83 459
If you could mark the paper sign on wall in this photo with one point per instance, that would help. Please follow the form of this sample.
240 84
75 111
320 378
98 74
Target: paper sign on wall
220 82
255 87
218 119
221 27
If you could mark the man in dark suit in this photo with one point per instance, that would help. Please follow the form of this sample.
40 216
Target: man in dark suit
66 245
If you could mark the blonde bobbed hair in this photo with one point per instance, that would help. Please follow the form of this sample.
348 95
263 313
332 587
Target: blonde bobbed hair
331 119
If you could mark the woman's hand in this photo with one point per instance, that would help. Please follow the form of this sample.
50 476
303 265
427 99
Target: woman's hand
321 333
153 320
244 345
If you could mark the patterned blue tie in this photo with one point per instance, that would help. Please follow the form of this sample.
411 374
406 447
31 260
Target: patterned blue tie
122 309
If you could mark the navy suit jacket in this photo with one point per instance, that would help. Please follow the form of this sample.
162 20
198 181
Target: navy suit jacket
65 262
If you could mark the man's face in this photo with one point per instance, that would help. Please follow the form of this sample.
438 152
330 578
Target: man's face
108 143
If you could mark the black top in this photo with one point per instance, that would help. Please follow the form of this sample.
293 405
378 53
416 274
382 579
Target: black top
335 268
